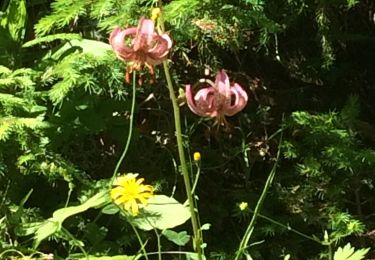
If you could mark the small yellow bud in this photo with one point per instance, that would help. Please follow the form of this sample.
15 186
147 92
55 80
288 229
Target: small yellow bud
197 156
243 205
155 13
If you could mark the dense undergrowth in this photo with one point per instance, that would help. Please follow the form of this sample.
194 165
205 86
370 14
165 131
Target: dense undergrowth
308 69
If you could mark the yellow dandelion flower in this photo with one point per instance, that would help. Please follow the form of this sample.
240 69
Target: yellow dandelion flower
129 192
243 205
197 156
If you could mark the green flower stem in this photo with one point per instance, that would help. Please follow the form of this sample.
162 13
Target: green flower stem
140 241
197 239
129 133
289 228
245 240
73 239
159 244
11 250
196 178
176 111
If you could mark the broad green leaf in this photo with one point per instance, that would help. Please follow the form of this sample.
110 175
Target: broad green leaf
162 213
52 37
95 48
99 199
46 229
179 239
348 253
54 224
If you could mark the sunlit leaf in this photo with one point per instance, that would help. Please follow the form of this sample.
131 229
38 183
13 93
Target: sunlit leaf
180 238
349 253
162 213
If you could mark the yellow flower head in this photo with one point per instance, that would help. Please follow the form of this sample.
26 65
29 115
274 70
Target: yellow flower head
243 205
197 156
129 192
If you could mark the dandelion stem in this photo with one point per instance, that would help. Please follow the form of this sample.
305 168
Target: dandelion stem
159 244
140 241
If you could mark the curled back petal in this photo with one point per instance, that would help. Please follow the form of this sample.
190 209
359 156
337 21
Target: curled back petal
160 48
239 101
222 83
117 41
145 35
199 103
206 101
168 39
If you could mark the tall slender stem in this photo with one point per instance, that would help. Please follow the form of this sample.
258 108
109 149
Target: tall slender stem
184 168
245 240
159 244
140 241
289 228
197 239
130 129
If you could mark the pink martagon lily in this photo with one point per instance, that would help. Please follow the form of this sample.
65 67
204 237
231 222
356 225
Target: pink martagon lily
218 100
141 45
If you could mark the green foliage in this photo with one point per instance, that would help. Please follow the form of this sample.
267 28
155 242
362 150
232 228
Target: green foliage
180 238
14 19
54 224
64 114
162 213
348 253
64 12
50 38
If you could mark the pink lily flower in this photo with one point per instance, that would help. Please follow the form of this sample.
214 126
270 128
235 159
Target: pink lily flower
140 45
218 100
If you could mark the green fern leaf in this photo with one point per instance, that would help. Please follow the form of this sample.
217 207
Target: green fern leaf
14 19
64 12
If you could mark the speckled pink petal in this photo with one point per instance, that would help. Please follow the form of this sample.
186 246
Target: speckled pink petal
202 103
239 102
145 35
160 49
168 39
205 101
117 41
222 83
146 26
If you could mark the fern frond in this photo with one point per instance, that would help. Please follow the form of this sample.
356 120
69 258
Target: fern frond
10 101
11 124
102 8
4 70
63 13
5 128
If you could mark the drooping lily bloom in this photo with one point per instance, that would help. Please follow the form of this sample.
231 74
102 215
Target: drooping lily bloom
140 45
217 100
